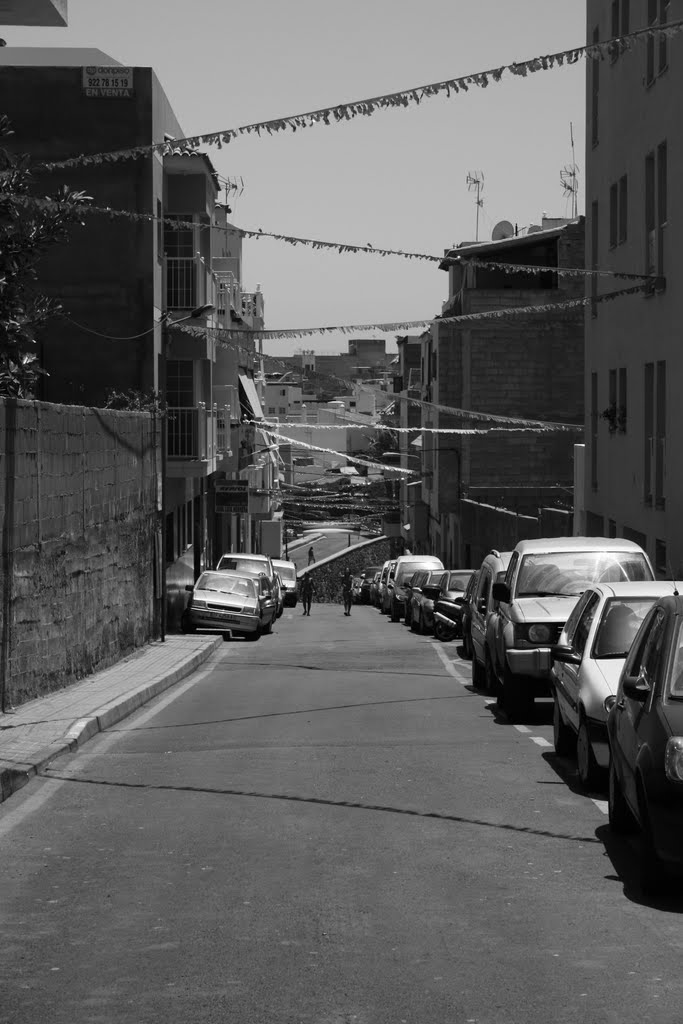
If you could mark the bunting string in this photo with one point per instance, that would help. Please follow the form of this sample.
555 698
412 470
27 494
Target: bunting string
229 334
369 106
546 428
296 443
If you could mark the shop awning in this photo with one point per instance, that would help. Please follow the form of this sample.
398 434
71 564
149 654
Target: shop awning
249 397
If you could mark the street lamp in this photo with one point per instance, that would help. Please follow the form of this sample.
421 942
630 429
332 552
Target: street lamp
168 321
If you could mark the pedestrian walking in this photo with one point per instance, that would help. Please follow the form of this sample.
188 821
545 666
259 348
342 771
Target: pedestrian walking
311 555
347 588
307 592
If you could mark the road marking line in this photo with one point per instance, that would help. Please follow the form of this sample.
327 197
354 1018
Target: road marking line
540 741
602 806
449 665
522 728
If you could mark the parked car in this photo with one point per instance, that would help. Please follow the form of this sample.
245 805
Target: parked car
252 563
406 565
413 588
287 573
355 589
230 603
483 608
382 585
422 600
542 584
367 577
466 618
374 589
447 603
586 665
645 729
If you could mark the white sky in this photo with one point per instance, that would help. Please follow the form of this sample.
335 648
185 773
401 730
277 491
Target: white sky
394 180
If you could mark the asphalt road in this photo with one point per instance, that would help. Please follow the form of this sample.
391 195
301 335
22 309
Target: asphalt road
328 826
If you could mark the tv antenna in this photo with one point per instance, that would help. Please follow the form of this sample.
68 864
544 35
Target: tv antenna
569 178
475 183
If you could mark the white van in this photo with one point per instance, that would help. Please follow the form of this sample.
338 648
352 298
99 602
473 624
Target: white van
405 566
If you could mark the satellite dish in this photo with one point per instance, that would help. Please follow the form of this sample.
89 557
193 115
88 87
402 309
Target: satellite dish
533 228
503 229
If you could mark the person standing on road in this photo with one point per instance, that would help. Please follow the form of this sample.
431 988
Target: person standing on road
347 587
311 555
307 592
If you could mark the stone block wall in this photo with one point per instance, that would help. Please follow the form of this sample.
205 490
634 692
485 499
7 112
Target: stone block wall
327 575
78 501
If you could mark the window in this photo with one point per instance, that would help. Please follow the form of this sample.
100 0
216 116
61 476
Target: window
271 410
650 231
622 400
611 527
613 216
594 431
662 213
595 91
622 232
179 383
620 23
654 433
282 392
595 257
584 624
657 52
282 410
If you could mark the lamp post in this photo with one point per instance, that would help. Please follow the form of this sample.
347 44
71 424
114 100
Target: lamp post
166 321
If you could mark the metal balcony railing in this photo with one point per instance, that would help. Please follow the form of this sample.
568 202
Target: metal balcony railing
192 433
189 282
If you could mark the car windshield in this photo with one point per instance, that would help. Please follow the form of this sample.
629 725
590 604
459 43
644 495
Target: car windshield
459 580
568 573
409 568
621 619
242 564
287 572
223 584
676 678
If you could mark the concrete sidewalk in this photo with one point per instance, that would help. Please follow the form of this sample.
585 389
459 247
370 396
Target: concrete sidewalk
40 730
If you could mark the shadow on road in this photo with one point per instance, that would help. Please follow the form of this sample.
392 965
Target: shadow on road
255 794
624 854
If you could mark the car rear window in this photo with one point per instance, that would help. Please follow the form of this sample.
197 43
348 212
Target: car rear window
245 564
288 572
408 568
621 619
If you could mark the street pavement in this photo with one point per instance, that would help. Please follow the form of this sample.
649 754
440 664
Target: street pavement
325 543
329 826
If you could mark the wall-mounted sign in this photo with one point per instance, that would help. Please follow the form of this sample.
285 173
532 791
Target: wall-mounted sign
232 497
114 82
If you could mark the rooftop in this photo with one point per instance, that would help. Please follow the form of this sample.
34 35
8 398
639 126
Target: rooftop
55 57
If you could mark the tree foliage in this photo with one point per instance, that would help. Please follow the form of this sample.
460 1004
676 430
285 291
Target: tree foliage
27 230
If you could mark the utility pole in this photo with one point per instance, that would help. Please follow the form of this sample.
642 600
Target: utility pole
475 183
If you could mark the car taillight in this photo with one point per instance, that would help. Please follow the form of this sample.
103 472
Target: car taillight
673 759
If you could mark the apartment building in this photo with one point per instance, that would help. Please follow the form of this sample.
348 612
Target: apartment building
486 490
634 360
144 298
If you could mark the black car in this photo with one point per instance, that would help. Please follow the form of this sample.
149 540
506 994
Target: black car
366 578
449 601
645 730
466 618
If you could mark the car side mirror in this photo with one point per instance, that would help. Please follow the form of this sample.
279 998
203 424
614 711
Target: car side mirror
189 587
500 592
566 654
635 688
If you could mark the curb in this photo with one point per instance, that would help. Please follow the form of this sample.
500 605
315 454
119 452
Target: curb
83 729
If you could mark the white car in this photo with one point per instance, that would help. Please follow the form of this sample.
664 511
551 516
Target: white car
230 603
587 663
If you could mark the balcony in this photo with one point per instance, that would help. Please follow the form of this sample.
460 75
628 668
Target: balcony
192 439
189 283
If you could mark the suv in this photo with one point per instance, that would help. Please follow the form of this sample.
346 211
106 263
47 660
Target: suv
406 565
482 608
542 584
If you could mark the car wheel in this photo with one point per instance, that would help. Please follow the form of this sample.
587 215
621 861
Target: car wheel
280 611
621 820
394 612
563 736
467 646
443 632
265 630
478 674
408 616
653 875
587 767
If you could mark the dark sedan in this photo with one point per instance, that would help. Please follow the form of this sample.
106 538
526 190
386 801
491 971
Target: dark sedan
367 576
645 729
449 603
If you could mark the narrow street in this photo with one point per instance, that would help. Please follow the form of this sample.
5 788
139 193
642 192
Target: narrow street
330 825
